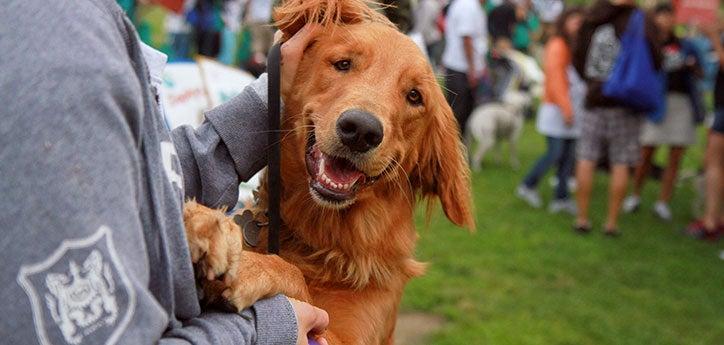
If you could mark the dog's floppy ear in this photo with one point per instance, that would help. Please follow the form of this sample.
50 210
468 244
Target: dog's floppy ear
443 170
292 15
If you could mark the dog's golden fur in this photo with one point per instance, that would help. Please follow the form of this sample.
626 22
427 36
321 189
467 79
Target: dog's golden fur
355 261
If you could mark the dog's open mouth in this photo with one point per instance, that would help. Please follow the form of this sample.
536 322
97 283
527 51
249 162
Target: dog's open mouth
333 180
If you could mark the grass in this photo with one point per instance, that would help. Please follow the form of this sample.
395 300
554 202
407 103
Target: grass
525 278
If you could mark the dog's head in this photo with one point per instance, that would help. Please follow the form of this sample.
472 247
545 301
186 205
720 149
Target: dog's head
517 101
367 113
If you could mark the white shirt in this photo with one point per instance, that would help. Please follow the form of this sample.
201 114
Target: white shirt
465 18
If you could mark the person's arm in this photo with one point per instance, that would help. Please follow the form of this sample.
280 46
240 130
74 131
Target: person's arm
557 58
231 145
470 58
466 28
580 46
713 33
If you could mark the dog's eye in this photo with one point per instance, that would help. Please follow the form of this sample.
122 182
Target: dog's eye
343 65
414 97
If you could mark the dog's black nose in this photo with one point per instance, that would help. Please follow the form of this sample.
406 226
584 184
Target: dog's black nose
359 130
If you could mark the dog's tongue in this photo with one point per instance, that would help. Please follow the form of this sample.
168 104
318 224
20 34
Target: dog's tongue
341 170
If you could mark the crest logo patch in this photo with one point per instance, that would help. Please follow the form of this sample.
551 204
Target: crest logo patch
80 294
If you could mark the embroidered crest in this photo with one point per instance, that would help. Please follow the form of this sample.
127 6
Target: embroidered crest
80 293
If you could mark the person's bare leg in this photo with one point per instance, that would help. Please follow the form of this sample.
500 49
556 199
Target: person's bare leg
584 178
642 170
616 193
714 174
672 168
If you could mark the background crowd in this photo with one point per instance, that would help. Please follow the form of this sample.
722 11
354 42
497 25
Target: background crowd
472 44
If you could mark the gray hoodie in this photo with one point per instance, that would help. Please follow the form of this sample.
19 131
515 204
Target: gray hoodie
93 248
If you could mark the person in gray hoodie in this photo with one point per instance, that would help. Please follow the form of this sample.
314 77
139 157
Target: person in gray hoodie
93 247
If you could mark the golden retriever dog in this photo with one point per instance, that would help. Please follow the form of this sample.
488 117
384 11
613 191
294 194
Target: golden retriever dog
366 135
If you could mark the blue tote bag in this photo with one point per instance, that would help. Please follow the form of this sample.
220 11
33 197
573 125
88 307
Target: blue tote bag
634 80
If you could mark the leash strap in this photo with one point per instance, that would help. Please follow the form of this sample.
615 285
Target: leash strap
274 167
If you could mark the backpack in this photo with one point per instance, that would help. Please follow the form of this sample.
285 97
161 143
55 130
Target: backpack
634 80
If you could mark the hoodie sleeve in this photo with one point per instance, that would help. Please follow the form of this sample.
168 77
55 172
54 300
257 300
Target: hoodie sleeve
263 324
228 148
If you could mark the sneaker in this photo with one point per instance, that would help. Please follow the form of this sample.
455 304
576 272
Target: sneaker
566 205
530 196
631 203
662 211
572 184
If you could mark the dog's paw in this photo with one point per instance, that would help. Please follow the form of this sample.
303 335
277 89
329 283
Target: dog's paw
214 239
256 276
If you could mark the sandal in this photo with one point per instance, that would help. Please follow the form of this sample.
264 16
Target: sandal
613 233
582 229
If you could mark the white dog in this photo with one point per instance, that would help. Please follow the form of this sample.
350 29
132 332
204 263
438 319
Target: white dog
492 123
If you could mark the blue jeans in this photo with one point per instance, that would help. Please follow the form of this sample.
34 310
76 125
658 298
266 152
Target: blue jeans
560 151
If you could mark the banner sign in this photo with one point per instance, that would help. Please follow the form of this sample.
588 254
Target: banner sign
697 11
222 82
183 94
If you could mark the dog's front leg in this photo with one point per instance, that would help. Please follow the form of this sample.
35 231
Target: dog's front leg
214 240
256 276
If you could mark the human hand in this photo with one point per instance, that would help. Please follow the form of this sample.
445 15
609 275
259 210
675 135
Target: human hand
568 120
291 53
472 79
311 321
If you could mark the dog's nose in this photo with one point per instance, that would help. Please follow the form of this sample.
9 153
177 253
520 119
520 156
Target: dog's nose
359 130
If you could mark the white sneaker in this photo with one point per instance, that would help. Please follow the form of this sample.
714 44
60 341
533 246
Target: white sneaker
530 196
572 184
662 210
631 203
567 205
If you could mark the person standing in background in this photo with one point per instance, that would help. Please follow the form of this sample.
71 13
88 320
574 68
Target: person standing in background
526 29
711 226
501 23
607 126
206 20
426 15
258 15
677 129
466 45
556 116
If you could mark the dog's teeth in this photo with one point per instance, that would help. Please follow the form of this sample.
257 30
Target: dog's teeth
345 186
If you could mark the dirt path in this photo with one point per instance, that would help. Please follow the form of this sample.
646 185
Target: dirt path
415 328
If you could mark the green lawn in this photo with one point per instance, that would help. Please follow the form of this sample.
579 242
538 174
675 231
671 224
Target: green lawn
525 278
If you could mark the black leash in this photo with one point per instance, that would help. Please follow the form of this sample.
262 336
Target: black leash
274 178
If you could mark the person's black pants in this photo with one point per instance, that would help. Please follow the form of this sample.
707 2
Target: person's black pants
459 95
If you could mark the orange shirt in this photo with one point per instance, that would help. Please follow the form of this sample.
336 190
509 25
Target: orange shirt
555 63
